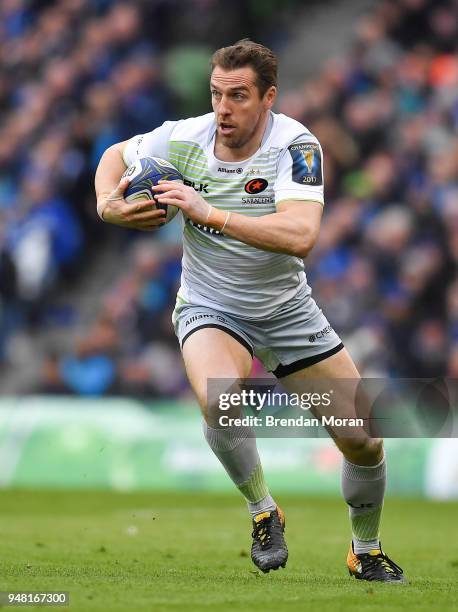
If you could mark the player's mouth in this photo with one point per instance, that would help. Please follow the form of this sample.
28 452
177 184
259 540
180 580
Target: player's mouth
226 129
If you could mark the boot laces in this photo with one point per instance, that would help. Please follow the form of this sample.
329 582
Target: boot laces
372 564
262 532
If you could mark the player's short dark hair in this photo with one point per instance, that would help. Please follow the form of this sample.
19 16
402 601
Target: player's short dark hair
245 52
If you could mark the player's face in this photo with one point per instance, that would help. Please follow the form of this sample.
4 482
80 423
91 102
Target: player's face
239 109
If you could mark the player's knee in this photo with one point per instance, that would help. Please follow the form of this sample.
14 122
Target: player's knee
210 407
361 451
207 408
216 400
210 412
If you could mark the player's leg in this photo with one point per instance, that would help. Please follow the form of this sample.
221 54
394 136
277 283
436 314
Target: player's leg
363 474
361 450
211 353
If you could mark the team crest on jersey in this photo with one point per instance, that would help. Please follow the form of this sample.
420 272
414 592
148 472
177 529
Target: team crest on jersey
256 185
307 167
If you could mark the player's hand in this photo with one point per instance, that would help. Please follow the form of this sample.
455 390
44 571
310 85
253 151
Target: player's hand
185 198
140 215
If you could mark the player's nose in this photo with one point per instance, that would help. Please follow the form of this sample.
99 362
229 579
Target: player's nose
224 108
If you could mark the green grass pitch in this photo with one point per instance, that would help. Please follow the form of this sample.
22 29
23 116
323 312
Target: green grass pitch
165 551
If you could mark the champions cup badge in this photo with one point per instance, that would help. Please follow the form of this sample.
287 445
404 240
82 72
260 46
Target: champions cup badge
306 167
308 158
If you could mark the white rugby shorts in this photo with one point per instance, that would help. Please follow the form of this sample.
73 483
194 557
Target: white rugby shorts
296 337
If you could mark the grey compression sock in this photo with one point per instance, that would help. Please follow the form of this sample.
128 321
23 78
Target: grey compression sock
363 489
236 449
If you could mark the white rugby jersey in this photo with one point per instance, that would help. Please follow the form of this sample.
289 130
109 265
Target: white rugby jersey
218 271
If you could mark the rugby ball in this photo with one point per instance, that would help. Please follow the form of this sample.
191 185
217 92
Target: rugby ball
144 174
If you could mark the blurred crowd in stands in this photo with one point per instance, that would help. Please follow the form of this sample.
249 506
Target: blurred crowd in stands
78 75
386 266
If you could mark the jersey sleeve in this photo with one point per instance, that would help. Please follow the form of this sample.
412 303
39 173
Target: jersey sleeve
300 171
151 144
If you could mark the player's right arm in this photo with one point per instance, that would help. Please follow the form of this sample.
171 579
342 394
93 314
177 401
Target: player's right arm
109 189
110 169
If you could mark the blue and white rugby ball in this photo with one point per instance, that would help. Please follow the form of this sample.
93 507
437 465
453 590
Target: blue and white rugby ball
144 174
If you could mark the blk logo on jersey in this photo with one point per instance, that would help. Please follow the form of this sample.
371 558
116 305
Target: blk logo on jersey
306 168
199 187
256 185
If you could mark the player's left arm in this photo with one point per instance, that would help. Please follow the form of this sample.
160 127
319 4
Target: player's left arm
293 229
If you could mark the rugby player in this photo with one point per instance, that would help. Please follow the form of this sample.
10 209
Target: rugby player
252 204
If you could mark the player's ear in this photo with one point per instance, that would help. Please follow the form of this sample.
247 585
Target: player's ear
269 97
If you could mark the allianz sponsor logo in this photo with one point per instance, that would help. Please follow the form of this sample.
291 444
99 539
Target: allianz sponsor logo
205 315
248 172
230 170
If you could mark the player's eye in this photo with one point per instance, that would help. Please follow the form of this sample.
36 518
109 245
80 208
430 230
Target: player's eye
239 96
215 94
